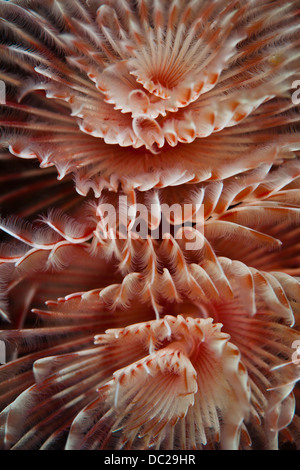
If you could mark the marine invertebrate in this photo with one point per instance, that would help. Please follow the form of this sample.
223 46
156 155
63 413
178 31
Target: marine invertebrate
149 104
149 76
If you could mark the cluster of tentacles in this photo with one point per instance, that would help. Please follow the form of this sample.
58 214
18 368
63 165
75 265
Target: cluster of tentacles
118 339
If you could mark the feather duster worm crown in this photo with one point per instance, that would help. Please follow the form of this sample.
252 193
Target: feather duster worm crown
116 339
